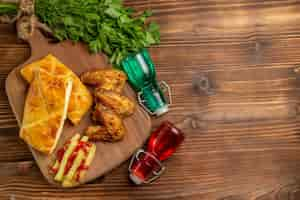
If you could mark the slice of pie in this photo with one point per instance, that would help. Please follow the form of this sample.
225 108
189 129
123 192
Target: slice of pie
81 99
45 110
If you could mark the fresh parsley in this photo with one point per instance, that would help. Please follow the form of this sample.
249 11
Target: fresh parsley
105 25
8 9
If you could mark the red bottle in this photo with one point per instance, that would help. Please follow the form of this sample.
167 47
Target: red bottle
146 166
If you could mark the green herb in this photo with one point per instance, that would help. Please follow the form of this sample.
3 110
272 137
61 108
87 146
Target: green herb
8 9
105 25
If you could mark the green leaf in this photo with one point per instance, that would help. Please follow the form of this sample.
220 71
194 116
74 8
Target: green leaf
113 12
113 2
150 39
105 25
8 8
147 13
92 16
95 46
153 29
124 19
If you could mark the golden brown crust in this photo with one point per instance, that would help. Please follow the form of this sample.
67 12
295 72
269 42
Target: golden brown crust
81 99
97 133
111 121
120 104
45 111
109 79
111 106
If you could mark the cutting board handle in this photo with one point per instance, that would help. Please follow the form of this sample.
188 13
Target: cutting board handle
36 42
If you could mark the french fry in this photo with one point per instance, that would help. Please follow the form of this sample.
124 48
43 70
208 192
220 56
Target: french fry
69 183
88 161
55 166
84 138
69 178
60 174
76 164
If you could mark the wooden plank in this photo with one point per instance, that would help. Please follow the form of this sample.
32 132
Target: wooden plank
243 142
216 178
12 148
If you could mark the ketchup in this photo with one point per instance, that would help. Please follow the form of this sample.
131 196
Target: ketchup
80 168
60 154
80 146
53 170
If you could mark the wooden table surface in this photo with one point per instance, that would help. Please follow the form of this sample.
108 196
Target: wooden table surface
242 138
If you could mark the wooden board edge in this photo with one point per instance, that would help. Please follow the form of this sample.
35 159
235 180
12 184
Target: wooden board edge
14 74
9 95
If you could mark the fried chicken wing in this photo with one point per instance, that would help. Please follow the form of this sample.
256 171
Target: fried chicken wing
111 121
97 133
120 104
111 107
109 79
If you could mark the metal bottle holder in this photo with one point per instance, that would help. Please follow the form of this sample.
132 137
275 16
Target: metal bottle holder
146 164
165 88
155 174
142 77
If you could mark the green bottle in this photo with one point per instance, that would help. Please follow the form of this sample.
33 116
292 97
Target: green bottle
142 77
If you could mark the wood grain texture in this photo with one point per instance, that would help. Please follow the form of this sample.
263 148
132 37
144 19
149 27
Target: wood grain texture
79 60
242 143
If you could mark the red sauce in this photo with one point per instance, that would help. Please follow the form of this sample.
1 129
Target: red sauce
84 146
80 168
70 161
60 154
53 170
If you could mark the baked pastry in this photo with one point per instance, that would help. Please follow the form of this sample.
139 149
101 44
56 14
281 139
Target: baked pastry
81 99
45 110
108 79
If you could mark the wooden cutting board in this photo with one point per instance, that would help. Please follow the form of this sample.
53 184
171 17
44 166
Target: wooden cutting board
78 59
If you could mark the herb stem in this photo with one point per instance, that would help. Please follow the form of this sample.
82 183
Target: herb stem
8 7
